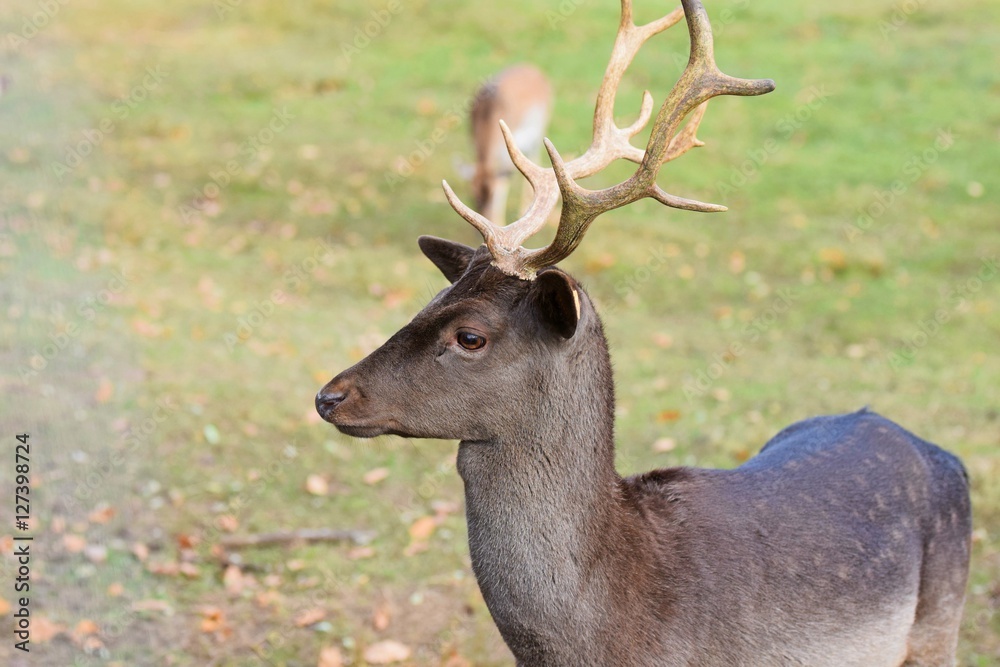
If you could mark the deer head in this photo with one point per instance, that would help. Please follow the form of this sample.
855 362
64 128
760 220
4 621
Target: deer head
511 327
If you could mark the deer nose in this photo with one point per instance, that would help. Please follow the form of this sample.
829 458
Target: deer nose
327 401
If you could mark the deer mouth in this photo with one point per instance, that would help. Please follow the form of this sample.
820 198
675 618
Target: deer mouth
361 431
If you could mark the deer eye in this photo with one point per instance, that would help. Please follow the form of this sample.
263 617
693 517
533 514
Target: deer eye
470 341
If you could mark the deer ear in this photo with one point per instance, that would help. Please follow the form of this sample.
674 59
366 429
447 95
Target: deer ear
451 257
557 301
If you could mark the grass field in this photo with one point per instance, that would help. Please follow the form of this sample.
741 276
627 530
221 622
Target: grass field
208 209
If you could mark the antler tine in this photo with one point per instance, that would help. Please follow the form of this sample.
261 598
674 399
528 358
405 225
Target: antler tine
485 227
700 81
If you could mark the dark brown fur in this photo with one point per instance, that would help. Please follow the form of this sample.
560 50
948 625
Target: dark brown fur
844 542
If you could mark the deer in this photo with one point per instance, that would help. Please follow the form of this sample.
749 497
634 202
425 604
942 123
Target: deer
521 95
844 542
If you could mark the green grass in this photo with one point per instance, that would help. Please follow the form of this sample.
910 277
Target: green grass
857 106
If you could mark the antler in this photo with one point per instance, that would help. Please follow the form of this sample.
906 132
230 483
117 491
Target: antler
700 81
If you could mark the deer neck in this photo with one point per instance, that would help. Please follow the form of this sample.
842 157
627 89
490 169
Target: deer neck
543 497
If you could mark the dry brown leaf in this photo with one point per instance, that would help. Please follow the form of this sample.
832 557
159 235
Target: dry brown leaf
91 645
317 485
42 629
140 551
357 553
152 604
442 508
386 652
213 619
74 543
737 262
662 340
295 565
381 617
330 657
4 607
664 445
164 568
833 258
455 660
84 628
668 416
268 599
414 548
423 528
375 476
96 553
105 390
58 525
189 570
233 580
101 514
185 541
115 590
310 617
228 523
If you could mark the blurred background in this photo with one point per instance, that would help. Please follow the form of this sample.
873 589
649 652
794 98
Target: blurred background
208 209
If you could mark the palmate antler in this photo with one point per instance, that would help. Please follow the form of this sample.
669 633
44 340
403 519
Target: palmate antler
700 81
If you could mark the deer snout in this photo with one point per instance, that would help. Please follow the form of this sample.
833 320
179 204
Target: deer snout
330 397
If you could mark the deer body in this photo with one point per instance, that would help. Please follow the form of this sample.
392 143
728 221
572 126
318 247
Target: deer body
844 543
522 97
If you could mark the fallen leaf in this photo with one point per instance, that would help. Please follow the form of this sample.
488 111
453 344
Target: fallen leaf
228 523
357 553
737 262
423 528
381 617
74 543
455 660
92 645
268 599
105 390
185 541
310 617
233 580
330 657
834 258
152 604
295 565
375 476
317 485
84 628
42 629
189 570
213 619
442 508
668 416
4 607
166 568
101 514
115 590
386 652
96 553
140 551
664 445
415 548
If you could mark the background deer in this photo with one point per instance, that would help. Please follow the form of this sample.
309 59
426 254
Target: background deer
844 542
522 97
